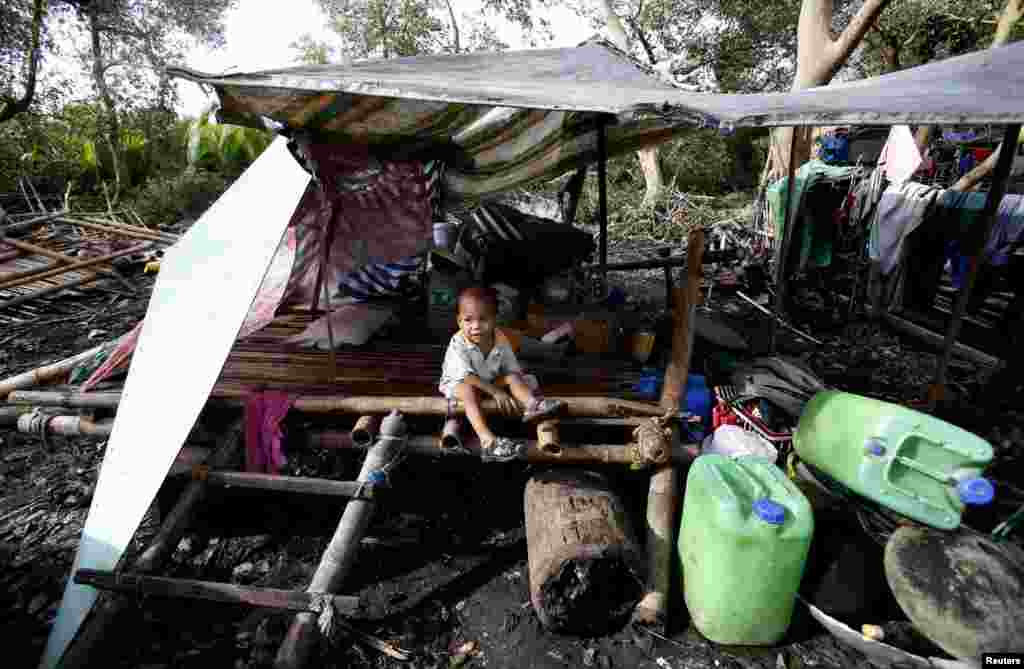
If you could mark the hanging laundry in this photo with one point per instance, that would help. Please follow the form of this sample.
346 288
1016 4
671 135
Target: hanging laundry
264 412
900 154
1008 231
900 211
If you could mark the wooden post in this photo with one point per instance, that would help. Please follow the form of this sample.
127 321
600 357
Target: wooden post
265 598
93 630
976 246
663 492
341 552
784 243
602 197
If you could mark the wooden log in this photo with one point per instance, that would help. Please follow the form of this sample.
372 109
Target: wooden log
294 484
662 503
337 559
548 440
365 430
584 559
571 454
264 598
107 608
46 374
75 266
686 298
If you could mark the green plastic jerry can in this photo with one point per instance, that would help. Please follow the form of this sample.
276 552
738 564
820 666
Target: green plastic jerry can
905 460
743 542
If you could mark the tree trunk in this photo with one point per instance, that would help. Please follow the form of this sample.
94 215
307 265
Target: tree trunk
1011 14
112 130
455 28
12 107
819 57
648 157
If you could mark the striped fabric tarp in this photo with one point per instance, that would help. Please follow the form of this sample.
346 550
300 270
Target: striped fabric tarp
382 280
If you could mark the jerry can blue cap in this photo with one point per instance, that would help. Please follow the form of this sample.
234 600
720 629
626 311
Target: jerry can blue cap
769 511
977 491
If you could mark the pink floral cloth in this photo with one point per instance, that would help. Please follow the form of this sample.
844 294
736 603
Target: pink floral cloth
264 412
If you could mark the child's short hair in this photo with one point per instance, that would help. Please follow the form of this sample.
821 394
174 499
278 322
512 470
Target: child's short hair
479 293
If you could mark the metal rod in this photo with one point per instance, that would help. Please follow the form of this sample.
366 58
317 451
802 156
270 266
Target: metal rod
978 238
602 196
787 239
340 554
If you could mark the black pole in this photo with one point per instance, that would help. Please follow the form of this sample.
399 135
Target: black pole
602 197
784 244
977 238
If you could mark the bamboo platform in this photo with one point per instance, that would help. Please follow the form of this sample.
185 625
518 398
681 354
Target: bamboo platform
408 364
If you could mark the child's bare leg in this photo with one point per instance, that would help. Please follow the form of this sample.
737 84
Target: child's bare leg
519 390
470 398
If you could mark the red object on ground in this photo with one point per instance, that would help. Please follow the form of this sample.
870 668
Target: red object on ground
722 414
981 154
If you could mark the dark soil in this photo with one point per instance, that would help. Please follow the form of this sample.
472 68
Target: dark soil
443 568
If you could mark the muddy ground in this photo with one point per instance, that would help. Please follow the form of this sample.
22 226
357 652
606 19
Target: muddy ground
443 568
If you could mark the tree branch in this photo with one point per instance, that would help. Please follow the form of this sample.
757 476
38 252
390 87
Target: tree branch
12 107
455 26
840 49
644 41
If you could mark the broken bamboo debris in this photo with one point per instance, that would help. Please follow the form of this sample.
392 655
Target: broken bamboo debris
632 454
75 266
120 224
120 230
68 260
580 407
21 227
365 430
265 598
43 292
339 555
292 484
46 374
108 606
548 440
13 276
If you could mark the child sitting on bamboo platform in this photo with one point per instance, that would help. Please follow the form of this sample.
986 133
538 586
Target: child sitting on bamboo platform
480 363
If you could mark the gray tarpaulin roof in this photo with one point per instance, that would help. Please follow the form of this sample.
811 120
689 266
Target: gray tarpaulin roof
981 87
518 116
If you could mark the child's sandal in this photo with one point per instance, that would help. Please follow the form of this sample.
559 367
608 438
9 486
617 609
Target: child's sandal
502 449
543 408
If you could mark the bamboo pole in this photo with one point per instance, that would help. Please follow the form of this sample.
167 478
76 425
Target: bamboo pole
663 492
9 255
590 454
24 226
121 225
580 407
451 436
71 426
12 276
337 559
986 222
936 341
265 598
64 398
45 374
294 484
159 549
75 266
60 257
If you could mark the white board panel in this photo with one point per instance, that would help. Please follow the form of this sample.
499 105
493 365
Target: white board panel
207 282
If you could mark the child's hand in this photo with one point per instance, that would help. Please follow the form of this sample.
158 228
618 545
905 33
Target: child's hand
506 403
